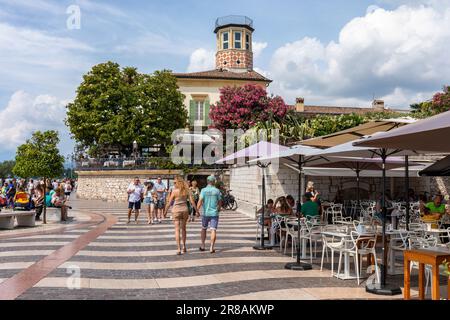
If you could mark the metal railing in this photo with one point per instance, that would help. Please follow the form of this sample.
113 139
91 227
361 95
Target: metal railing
153 163
234 19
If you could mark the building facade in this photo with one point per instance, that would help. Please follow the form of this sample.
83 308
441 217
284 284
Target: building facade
234 67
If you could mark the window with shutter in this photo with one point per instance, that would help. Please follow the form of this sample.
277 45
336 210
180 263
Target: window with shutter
206 117
192 114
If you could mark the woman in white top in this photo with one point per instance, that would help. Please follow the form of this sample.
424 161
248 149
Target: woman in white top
150 201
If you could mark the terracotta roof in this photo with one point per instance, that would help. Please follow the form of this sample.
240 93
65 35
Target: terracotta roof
340 110
223 74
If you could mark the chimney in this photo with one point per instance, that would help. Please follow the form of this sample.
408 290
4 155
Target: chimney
378 105
300 104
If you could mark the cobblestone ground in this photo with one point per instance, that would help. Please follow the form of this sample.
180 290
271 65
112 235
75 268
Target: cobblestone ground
139 261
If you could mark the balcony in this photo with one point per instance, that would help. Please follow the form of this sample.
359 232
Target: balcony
234 20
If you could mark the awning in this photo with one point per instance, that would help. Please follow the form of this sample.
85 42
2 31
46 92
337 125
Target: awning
357 132
439 169
430 135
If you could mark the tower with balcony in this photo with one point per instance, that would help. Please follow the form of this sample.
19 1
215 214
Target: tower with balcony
234 43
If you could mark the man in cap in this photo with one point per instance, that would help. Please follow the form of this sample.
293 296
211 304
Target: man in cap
211 202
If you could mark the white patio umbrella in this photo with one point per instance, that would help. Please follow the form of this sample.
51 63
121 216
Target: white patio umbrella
300 156
357 149
260 149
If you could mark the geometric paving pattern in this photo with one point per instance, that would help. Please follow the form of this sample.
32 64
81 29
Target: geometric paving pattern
138 261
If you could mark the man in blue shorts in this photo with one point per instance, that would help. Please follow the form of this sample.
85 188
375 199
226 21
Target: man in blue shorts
135 194
211 201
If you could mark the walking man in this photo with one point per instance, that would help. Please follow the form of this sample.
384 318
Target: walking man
211 201
135 194
160 189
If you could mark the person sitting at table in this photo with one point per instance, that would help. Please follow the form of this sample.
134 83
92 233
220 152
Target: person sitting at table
282 207
310 208
291 201
434 207
268 210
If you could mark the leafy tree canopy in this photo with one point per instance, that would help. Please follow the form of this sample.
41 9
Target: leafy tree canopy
6 168
39 156
115 107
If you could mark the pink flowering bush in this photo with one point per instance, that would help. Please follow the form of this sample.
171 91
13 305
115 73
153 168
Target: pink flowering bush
244 107
441 101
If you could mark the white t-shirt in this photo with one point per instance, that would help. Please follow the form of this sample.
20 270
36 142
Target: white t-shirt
30 187
135 196
67 187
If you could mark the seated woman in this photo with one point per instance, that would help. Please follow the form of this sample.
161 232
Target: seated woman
59 201
282 207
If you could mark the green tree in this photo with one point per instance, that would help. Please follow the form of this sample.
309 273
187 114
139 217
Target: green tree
40 157
6 168
115 107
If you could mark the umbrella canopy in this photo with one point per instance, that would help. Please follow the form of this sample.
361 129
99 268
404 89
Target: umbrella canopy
341 172
357 132
439 169
291 154
426 135
354 149
362 164
260 149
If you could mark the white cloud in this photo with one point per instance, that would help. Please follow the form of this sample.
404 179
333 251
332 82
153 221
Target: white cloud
201 60
33 58
258 47
25 114
151 42
400 54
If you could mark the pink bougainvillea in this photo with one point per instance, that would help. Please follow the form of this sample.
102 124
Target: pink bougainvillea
441 100
243 107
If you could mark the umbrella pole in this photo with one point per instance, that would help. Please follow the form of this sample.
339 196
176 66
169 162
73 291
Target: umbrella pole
261 245
407 191
298 265
358 195
383 288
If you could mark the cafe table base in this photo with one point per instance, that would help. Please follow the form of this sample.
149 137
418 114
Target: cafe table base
298 266
386 290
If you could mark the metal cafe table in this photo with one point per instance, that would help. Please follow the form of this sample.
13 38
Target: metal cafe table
433 257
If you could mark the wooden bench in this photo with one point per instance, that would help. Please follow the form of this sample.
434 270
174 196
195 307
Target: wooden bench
24 219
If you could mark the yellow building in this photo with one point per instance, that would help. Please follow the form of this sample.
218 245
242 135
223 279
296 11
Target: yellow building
234 67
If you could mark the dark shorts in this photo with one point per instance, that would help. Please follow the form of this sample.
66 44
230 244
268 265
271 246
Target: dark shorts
67 193
160 204
213 222
134 205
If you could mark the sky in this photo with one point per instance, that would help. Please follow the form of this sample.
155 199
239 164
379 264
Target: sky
330 52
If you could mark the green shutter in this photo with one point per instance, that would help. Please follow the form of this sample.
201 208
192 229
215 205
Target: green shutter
192 112
207 120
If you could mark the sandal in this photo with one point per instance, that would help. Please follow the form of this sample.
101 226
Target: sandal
201 249
178 253
212 251
184 250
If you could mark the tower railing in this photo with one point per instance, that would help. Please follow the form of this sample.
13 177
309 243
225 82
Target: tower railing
234 19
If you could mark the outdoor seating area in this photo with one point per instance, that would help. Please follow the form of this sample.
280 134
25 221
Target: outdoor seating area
382 230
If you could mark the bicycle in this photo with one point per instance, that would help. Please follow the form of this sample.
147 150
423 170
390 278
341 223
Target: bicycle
229 202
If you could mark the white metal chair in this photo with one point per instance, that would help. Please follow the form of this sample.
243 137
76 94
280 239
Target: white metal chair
291 231
360 246
332 244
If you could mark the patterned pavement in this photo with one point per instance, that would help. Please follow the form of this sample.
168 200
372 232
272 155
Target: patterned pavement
138 261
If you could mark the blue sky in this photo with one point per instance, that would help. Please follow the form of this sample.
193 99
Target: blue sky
331 52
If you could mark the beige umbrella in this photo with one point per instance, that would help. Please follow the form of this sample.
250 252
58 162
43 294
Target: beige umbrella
360 131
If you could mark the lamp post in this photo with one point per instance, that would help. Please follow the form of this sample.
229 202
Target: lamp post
135 149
